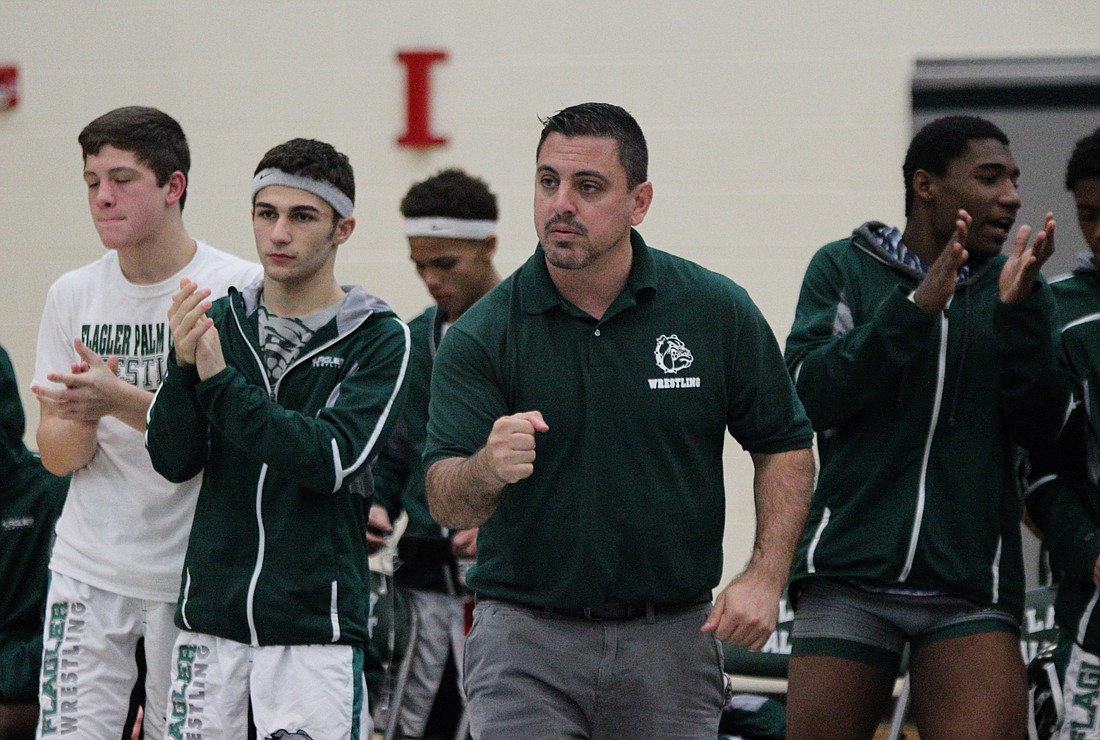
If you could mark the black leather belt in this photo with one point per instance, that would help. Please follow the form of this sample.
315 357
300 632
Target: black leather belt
620 611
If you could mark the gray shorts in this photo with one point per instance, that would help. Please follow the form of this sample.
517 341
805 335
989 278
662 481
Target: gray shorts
837 618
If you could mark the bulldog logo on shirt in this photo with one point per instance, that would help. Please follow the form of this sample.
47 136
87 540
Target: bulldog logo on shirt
672 356
282 734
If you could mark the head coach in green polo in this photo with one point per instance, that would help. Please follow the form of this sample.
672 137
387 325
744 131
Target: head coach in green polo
578 413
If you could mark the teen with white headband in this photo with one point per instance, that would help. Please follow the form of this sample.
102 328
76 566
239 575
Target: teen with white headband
450 221
281 395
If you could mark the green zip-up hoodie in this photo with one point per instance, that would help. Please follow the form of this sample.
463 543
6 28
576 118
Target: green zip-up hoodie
277 553
1064 481
917 417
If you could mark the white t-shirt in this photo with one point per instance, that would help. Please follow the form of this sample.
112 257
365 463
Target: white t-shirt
124 529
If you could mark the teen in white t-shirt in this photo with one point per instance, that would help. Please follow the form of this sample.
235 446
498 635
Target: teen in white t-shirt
102 345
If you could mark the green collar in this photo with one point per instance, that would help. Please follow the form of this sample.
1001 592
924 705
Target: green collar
538 294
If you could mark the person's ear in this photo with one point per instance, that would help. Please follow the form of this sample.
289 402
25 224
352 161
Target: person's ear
177 186
344 227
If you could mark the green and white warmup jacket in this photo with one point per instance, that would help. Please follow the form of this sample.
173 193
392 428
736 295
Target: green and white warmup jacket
1064 481
918 418
277 553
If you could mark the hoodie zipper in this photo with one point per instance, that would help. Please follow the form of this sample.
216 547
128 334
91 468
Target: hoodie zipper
273 394
918 515
254 579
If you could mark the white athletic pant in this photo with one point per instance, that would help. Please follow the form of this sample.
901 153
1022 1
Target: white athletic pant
88 661
1081 691
315 691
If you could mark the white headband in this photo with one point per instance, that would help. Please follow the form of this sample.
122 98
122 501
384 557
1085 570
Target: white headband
450 228
325 191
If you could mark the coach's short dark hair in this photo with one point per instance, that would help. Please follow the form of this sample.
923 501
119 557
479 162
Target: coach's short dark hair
155 138
604 119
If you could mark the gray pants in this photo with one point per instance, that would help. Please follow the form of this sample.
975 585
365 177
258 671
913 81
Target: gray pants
442 630
535 675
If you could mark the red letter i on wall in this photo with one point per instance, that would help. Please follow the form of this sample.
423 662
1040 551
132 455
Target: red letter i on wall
9 86
418 66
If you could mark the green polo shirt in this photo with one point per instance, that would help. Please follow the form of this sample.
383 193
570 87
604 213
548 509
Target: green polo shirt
626 501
